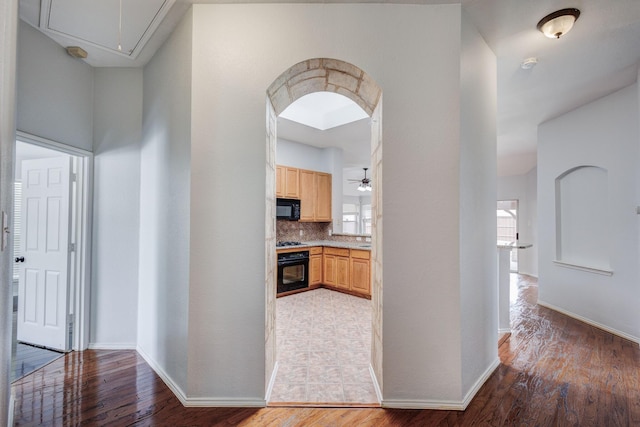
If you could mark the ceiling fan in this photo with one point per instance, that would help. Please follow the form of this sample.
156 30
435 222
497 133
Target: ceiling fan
364 183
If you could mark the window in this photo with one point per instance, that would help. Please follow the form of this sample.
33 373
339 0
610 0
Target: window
350 218
366 219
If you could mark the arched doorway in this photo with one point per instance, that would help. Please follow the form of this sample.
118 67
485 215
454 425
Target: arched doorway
303 78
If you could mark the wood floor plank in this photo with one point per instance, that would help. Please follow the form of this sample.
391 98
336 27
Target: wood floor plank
555 371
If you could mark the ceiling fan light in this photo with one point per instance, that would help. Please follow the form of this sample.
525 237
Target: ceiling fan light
368 187
558 23
361 187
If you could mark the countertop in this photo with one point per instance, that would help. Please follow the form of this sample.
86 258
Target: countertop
513 245
329 243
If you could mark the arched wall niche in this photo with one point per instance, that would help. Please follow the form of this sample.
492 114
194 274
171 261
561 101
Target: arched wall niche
582 219
303 78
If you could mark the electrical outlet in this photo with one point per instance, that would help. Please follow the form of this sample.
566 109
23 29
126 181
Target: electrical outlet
301 233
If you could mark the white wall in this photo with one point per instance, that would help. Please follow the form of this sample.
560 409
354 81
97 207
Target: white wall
55 91
523 189
116 205
303 156
163 313
477 236
413 52
603 133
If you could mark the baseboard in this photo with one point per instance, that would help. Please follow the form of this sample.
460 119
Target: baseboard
205 402
590 322
112 346
376 384
449 405
166 378
272 381
446 405
479 383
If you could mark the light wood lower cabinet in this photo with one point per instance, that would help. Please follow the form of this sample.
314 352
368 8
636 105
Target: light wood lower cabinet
315 266
347 270
360 271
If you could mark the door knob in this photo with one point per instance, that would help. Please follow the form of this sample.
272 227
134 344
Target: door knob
19 259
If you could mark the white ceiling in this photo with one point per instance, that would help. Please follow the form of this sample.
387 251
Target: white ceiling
324 110
599 56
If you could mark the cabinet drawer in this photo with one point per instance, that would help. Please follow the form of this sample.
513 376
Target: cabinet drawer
358 253
336 251
315 251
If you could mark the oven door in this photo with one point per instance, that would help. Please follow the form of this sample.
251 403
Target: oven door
293 275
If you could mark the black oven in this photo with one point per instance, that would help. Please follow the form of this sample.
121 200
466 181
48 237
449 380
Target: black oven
293 271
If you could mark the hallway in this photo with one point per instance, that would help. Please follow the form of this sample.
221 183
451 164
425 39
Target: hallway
555 371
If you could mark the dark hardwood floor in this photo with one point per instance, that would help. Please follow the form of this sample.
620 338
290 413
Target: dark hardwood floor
555 371
27 358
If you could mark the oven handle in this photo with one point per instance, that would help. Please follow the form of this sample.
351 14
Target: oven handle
293 262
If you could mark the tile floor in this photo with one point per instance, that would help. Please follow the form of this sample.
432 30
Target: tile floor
324 346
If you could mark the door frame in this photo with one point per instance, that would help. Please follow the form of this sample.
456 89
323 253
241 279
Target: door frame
80 235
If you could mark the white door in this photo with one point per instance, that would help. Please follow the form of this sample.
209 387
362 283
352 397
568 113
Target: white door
43 284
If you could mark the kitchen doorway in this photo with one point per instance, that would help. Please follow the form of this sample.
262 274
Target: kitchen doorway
507 217
51 247
310 76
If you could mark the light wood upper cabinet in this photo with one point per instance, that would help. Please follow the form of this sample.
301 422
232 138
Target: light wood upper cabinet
315 196
287 182
323 197
307 195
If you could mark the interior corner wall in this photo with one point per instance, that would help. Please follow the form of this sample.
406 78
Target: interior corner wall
165 194
413 53
8 35
603 133
54 91
117 129
477 236
523 188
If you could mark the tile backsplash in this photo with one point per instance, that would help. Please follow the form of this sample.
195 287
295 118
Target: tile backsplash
287 231
290 231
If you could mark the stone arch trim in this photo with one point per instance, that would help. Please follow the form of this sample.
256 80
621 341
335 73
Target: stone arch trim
324 75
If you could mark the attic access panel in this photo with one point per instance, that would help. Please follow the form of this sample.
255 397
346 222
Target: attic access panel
97 23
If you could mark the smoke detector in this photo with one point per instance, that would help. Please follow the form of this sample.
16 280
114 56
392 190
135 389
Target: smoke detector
529 63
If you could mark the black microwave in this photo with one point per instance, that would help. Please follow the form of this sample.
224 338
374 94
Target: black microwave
288 209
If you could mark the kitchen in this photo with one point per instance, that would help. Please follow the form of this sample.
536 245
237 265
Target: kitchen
323 234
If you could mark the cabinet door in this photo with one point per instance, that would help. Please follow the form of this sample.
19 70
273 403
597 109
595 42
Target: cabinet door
307 195
329 264
291 183
323 197
280 181
342 274
361 276
315 269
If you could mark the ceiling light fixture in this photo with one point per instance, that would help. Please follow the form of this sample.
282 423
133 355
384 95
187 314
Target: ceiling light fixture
558 23
76 52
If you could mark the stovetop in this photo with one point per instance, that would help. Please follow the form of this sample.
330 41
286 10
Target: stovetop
283 244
